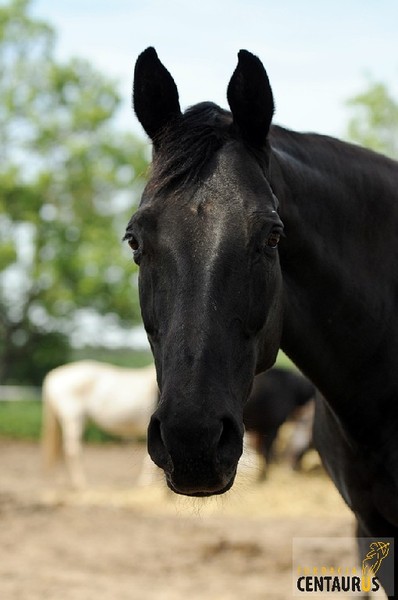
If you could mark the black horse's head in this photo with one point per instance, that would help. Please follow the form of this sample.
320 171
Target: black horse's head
205 237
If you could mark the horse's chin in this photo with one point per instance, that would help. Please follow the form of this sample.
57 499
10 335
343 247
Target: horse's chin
199 492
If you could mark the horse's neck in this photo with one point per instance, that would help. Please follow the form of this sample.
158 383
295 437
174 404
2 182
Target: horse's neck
339 262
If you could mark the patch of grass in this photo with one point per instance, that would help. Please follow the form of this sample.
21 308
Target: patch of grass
23 420
20 420
95 435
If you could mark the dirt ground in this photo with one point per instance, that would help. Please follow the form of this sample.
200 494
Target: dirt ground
118 541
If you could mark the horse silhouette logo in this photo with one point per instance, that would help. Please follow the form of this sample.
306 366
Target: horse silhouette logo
378 551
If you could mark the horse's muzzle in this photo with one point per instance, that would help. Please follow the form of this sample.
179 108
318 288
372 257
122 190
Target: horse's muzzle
199 461
201 492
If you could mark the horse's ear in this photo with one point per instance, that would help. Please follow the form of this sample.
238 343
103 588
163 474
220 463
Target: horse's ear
155 95
250 99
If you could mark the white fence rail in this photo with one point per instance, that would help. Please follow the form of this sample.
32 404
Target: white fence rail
14 393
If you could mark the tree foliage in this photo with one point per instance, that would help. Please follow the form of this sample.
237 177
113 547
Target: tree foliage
68 182
374 123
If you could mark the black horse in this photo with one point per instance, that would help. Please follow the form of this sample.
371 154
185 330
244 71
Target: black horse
277 395
219 294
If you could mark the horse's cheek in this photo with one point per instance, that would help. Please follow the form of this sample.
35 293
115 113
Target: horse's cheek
257 307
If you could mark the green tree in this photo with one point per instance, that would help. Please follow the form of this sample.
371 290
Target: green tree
375 119
68 182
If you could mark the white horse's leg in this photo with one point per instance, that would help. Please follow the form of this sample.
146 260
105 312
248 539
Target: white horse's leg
73 427
249 464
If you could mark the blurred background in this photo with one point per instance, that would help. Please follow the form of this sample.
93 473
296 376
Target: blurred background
74 159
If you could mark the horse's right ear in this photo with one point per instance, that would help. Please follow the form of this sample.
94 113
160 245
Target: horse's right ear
155 95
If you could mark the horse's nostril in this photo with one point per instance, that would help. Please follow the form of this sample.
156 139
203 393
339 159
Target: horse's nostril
230 442
156 446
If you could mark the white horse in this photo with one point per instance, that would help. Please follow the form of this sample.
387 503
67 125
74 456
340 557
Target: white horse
117 399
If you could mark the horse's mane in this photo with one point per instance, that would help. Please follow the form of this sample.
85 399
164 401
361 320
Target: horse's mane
359 171
328 153
186 146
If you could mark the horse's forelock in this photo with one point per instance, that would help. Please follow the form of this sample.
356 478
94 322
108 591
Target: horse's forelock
187 144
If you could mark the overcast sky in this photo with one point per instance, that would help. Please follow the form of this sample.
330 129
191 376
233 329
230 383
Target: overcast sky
317 52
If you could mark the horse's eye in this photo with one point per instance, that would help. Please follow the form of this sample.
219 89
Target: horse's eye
273 239
133 243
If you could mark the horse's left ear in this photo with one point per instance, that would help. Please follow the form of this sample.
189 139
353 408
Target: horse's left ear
250 99
155 95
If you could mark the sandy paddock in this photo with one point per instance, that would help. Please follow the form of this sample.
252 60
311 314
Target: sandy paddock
118 541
